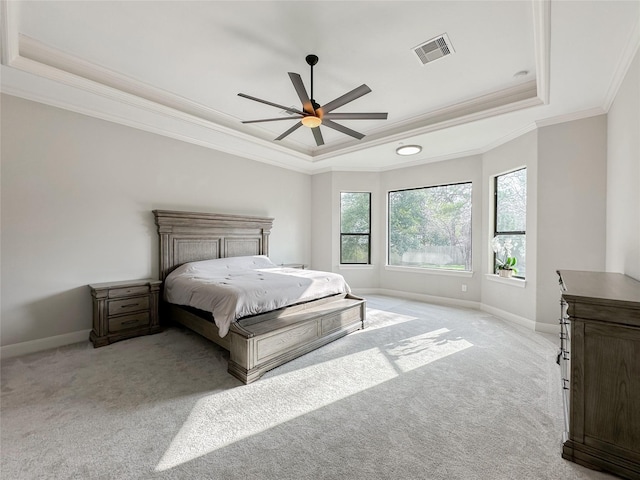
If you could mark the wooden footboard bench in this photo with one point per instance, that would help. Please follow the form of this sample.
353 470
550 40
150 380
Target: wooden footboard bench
260 343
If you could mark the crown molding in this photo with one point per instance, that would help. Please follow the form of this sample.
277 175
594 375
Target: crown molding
76 72
434 159
480 108
397 166
628 54
8 31
41 60
152 127
593 112
510 136
570 117
542 42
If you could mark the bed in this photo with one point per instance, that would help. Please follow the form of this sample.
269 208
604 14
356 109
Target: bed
258 342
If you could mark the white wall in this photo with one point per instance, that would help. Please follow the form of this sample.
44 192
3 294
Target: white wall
511 296
623 177
322 212
77 195
572 184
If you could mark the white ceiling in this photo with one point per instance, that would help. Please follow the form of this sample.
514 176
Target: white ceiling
176 67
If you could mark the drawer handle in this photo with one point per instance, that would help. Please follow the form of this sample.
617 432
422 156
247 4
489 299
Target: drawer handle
129 305
129 322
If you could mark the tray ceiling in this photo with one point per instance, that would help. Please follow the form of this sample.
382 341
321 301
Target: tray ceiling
176 67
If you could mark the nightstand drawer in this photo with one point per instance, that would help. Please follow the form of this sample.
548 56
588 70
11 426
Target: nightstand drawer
126 291
127 305
128 321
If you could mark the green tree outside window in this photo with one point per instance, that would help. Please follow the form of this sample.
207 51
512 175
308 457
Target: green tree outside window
355 227
430 227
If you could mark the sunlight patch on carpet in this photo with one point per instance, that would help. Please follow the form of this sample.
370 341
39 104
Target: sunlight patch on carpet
224 418
383 319
414 352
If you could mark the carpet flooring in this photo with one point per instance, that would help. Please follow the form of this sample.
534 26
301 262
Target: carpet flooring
424 392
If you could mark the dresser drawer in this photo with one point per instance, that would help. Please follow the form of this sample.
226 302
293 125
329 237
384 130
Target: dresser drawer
128 321
127 305
126 291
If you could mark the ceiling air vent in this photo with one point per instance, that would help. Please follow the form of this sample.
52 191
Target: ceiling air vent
434 49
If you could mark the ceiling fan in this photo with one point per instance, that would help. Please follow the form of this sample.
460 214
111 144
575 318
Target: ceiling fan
313 115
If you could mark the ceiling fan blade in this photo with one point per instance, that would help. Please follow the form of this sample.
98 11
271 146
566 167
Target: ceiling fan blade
271 119
291 130
342 128
317 134
296 79
355 116
346 98
288 109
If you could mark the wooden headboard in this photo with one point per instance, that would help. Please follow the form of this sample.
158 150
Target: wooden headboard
192 236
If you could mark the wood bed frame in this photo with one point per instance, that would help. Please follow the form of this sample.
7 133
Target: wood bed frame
262 342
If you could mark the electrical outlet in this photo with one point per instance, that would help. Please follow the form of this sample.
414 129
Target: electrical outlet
464 287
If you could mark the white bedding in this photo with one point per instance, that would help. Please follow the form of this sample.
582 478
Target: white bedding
235 287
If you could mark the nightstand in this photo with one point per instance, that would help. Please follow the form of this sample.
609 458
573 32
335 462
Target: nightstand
124 310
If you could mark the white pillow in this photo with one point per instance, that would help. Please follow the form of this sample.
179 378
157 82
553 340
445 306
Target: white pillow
219 265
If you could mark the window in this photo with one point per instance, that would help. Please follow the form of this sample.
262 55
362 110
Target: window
510 216
431 227
355 227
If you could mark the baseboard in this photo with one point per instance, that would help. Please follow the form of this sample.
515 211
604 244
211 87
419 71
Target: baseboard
522 321
421 297
504 315
510 317
553 328
33 346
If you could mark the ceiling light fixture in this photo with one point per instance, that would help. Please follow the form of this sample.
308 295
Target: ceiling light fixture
408 149
311 121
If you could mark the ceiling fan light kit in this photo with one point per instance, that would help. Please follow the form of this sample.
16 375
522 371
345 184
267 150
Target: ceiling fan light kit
311 121
312 114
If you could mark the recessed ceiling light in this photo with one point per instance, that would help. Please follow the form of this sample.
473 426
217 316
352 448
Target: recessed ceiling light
408 149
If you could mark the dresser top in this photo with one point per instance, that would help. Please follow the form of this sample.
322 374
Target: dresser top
600 287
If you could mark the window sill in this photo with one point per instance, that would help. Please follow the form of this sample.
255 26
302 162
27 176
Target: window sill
355 266
514 282
430 271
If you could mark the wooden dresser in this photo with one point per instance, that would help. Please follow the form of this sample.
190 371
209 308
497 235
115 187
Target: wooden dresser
600 353
124 310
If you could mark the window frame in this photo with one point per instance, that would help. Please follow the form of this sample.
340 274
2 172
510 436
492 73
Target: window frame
351 234
440 270
495 217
